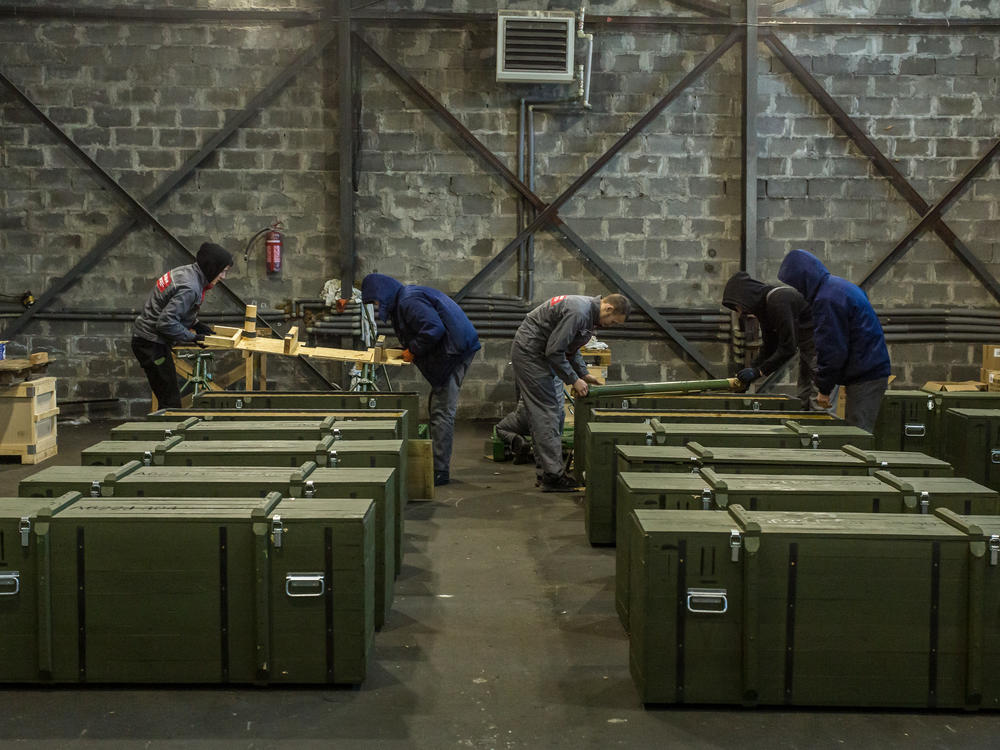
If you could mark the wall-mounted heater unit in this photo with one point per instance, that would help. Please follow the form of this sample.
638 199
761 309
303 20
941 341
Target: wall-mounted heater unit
535 46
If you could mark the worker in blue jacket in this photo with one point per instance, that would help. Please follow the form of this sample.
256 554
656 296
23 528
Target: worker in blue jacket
439 339
850 344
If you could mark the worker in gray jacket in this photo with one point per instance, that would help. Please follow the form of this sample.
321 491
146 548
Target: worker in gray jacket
547 344
170 316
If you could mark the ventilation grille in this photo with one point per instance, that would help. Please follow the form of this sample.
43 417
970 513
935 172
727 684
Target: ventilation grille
535 47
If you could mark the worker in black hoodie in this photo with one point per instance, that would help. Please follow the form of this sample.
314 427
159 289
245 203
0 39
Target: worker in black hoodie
786 326
170 316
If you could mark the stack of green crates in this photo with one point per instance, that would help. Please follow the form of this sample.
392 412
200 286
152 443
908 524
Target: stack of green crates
135 480
168 590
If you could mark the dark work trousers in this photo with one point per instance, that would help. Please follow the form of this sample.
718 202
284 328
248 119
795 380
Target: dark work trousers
442 405
158 365
541 393
863 401
517 423
806 388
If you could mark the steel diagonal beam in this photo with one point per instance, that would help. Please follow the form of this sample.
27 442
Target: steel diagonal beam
141 209
586 254
881 162
929 218
546 214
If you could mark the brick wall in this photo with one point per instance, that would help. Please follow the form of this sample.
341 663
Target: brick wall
140 98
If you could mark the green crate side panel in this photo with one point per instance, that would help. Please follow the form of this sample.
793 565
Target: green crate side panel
856 590
215 482
147 431
583 409
150 590
291 430
972 443
407 401
604 437
907 420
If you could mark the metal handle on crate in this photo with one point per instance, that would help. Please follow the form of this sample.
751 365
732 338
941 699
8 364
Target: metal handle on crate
995 456
914 430
10 583
707 601
298 585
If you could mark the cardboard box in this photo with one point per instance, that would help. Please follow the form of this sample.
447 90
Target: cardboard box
952 386
991 357
988 376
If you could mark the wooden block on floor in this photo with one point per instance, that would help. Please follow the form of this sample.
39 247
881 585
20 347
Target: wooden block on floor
420 469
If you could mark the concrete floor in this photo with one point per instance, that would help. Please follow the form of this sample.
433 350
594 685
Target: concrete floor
503 635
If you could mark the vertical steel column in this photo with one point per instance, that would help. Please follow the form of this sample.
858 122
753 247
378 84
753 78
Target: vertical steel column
345 139
748 232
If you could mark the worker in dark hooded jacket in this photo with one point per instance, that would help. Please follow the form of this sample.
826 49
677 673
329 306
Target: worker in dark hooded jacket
439 339
786 326
170 316
850 344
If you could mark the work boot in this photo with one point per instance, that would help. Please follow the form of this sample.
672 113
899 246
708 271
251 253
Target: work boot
440 478
559 483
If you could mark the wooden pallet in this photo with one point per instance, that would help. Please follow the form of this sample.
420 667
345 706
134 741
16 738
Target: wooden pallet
15 370
29 454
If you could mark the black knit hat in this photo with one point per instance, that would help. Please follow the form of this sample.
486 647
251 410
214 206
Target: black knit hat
213 259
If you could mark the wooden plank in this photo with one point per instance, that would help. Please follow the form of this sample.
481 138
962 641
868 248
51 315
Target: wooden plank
30 454
419 470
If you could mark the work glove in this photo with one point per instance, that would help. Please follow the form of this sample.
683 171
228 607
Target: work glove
747 375
202 329
199 341
407 355
342 305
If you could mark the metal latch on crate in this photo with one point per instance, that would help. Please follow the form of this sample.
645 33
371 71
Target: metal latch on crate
147 458
994 549
10 583
168 433
649 438
815 440
305 584
95 489
706 499
925 502
25 528
995 456
310 490
735 542
707 601
372 403
624 403
914 430
756 406
332 459
239 403
336 434
277 530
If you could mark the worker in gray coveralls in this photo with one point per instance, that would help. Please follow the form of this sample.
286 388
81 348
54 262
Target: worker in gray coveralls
547 344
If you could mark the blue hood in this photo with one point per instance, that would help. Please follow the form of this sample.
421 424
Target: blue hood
383 289
804 272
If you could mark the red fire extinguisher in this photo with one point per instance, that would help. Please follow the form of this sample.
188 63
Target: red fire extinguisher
273 243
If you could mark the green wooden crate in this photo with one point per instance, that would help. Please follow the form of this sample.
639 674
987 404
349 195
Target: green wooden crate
832 609
716 402
989 665
604 437
25 611
971 442
408 401
945 401
907 420
135 480
166 590
902 463
121 452
293 430
151 431
683 416
957 494
711 491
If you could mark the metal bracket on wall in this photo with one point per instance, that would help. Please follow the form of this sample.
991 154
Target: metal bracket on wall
549 212
141 209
